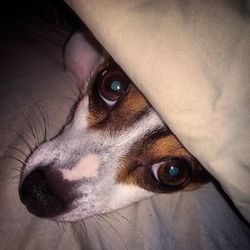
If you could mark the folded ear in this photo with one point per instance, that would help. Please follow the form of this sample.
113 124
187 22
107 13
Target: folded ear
82 55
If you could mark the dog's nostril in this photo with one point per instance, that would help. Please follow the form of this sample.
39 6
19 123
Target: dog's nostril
38 196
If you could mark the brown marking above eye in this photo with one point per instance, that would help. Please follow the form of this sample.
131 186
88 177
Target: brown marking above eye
134 103
136 166
168 146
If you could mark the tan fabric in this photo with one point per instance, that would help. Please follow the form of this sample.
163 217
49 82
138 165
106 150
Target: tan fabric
192 60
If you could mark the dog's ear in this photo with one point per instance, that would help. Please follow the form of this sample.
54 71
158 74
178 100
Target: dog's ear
82 54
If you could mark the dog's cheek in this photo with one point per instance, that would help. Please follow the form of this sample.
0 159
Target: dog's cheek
123 195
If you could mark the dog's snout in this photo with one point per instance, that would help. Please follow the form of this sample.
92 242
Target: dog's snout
39 194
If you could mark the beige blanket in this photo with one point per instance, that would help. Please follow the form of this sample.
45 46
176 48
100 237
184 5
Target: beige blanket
192 60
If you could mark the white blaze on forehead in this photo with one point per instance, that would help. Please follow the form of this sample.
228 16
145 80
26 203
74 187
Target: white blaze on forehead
87 167
149 123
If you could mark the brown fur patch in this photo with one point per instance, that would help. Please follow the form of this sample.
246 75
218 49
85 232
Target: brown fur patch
132 104
135 168
124 112
94 117
168 146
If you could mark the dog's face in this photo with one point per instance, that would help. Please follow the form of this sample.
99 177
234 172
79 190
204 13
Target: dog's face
114 151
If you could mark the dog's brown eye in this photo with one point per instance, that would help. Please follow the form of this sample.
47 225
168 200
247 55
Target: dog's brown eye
172 172
112 85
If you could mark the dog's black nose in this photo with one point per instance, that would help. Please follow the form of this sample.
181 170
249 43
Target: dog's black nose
39 193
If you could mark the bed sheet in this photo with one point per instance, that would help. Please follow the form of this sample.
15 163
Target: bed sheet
33 80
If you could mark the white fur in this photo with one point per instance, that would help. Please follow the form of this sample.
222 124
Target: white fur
124 194
132 134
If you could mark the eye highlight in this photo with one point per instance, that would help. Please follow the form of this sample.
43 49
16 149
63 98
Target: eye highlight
172 172
112 85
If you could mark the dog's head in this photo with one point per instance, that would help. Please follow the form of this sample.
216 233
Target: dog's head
114 151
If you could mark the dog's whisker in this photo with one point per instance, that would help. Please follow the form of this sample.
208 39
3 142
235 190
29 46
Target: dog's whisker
69 98
45 121
19 150
15 149
27 122
66 224
13 181
130 222
15 177
17 169
41 114
20 135
33 139
13 158
115 230
80 227
63 226
113 216
37 129
72 227
74 231
33 135
57 223
101 227
39 121
84 226
60 225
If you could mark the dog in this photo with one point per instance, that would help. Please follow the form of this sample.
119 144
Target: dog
115 149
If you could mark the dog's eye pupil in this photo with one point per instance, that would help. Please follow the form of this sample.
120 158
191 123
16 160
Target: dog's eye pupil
173 171
116 86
